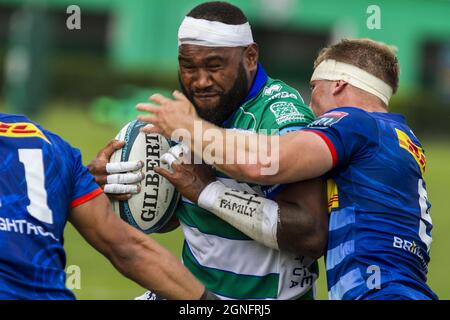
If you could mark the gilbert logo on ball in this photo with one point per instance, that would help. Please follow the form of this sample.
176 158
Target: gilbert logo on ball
155 204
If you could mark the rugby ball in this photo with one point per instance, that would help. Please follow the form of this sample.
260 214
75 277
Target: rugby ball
155 204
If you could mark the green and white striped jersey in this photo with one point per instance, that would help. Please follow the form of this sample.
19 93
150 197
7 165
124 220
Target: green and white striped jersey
225 260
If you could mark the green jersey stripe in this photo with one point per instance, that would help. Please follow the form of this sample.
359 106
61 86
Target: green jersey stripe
219 253
230 284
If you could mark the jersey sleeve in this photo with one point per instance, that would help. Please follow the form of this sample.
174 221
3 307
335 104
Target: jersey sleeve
348 133
84 187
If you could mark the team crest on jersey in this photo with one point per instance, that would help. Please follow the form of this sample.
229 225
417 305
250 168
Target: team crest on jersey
272 89
416 151
21 130
285 112
328 119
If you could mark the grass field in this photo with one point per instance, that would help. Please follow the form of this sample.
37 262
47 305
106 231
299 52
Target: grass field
99 280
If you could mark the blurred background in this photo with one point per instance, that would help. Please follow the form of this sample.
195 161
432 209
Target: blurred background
81 76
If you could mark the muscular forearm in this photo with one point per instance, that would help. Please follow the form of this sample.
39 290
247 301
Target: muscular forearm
135 255
245 156
261 159
145 261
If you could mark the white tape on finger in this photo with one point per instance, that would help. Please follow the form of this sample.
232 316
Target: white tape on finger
179 151
120 188
125 178
168 158
117 167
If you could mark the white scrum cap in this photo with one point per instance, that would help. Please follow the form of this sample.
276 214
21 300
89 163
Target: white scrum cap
207 33
334 70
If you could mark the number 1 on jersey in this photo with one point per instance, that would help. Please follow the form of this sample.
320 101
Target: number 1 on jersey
33 163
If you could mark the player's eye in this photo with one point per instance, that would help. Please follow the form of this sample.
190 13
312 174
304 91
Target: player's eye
214 67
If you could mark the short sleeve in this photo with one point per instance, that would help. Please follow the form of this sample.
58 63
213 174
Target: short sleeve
348 132
84 187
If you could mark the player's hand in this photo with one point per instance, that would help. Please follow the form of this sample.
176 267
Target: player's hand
167 115
188 179
118 180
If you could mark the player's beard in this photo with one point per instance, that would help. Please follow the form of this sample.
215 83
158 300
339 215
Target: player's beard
228 102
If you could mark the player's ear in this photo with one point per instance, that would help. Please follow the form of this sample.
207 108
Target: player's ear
251 56
338 87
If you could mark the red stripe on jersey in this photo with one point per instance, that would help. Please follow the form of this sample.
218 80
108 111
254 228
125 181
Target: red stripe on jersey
329 144
85 198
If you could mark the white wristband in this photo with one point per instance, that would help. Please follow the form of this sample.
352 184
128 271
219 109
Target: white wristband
210 194
255 216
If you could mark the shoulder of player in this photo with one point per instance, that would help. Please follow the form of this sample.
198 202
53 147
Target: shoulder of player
282 106
356 116
353 113
277 89
23 125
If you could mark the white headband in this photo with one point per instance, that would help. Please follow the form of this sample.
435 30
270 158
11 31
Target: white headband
213 33
334 70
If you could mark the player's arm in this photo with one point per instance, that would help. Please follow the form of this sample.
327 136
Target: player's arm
302 226
295 156
292 157
135 255
296 221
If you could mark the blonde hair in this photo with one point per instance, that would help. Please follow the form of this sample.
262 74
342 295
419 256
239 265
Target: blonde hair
372 56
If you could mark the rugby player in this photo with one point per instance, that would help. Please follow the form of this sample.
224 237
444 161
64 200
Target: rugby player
380 227
220 74
44 185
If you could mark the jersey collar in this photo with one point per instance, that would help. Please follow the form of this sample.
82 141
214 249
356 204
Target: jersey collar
258 83
395 116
